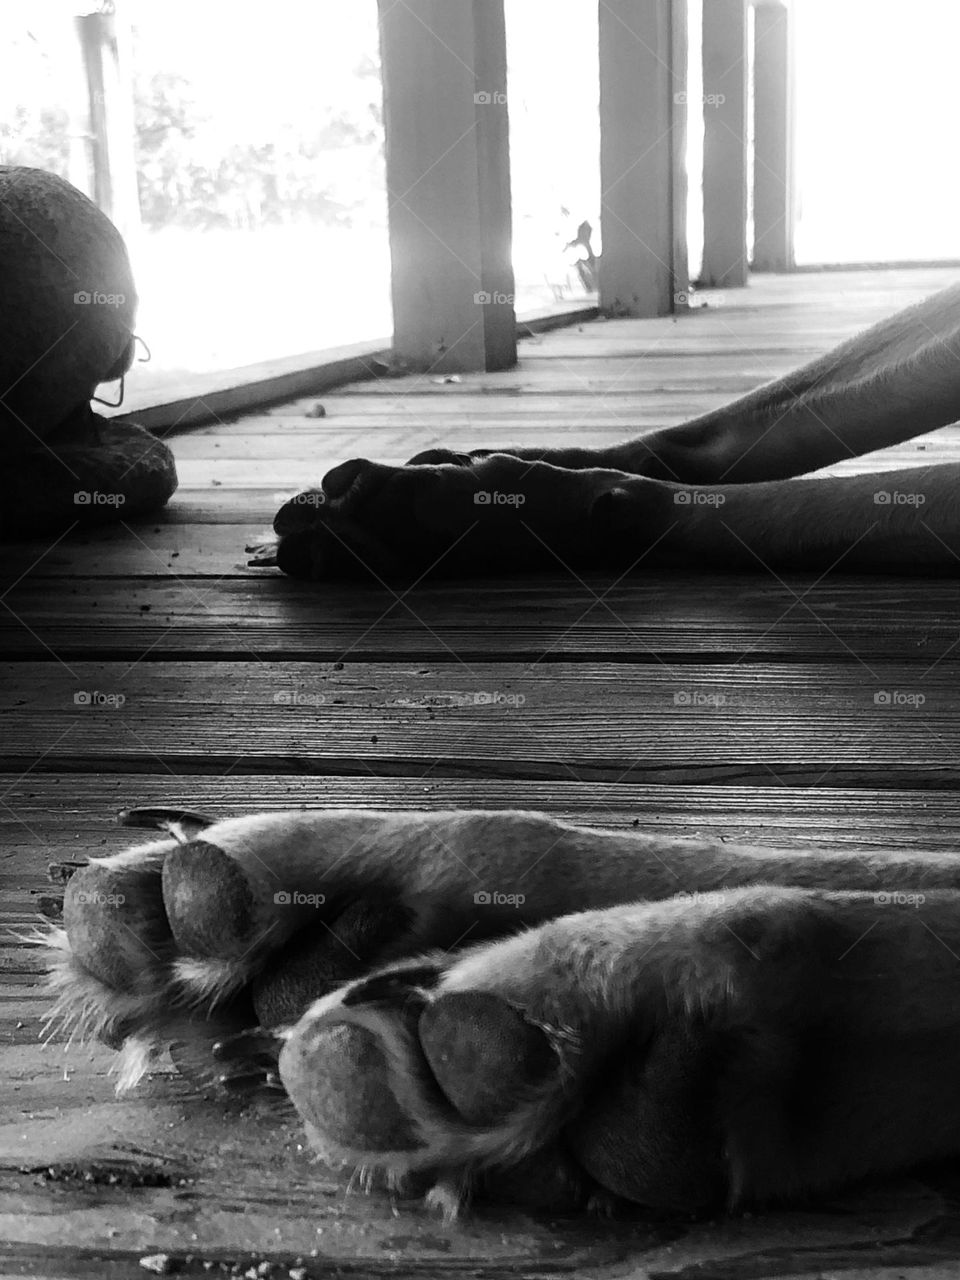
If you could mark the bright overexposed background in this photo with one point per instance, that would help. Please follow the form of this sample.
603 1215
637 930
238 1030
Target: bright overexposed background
877 123
260 153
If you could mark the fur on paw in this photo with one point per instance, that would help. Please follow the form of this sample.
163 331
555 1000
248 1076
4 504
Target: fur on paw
447 514
184 943
392 1076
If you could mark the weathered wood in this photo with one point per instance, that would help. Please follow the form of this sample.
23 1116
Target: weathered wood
773 180
875 724
50 816
725 143
642 96
215 396
249 615
448 183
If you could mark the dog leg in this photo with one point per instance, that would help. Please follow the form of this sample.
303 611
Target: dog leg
781 1033
895 380
897 522
195 939
504 514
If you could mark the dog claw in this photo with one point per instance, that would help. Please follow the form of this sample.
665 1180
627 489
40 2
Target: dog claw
251 1044
181 824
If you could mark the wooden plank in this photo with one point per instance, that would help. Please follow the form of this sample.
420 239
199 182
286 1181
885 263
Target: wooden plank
215 396
590 377
639 76
304 467
51 816
304 452
774 207
725 143
448 183
878 725
639 622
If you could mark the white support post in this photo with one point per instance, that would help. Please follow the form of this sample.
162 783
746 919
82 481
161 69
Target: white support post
725 69
642 133
448 183
773 183
105 44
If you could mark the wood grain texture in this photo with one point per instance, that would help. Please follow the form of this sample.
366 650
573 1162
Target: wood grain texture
148 598
780 742
792 724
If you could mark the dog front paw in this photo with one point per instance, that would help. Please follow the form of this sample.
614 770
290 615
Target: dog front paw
447 515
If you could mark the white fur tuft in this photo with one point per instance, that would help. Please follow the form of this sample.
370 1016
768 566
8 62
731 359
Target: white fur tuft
209 981
136 1056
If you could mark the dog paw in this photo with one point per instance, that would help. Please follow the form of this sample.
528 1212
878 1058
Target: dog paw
182 944
393 1076
650 1053
450 514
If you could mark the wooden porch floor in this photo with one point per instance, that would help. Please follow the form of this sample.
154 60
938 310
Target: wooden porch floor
243 690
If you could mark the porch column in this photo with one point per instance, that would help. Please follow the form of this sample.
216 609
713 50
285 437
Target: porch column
448 183
105 46
725 143
773 186
643 264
